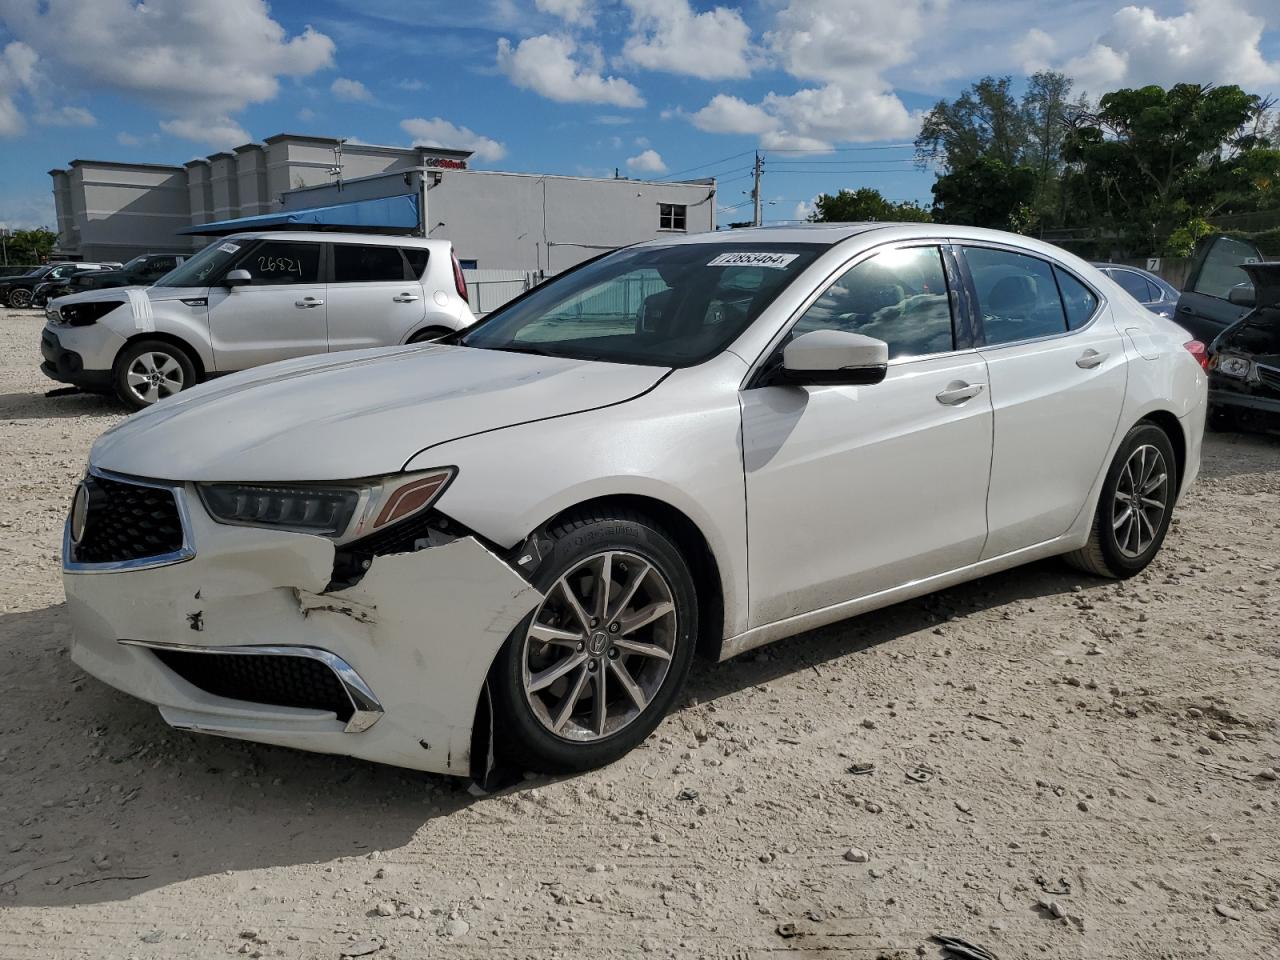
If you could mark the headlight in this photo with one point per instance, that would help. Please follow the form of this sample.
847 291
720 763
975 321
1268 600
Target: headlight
1230 365
51 314
340 511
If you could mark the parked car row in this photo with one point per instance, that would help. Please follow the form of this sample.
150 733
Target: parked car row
19 291
141 271
506 547
251 299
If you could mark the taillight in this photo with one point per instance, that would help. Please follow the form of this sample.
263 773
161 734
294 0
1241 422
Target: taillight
1198 350
459 281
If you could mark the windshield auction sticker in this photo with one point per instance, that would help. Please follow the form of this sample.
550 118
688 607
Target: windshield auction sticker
228 247
775 261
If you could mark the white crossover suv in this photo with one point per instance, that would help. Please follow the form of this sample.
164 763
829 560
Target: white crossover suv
509 545
251 299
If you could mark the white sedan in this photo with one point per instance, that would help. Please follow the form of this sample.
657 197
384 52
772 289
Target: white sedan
511 544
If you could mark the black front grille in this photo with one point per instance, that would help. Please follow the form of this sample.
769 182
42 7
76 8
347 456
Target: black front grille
280 680
1269 375
126 521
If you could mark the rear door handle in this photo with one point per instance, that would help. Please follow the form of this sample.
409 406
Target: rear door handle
404 298
958 392
1090 359
1184 309
307 302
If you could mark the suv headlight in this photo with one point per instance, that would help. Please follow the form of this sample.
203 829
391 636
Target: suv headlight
339 511
1231 365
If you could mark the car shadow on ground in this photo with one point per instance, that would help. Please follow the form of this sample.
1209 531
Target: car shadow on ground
1239 453
94 776
39 406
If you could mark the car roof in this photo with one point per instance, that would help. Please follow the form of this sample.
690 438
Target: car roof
325 236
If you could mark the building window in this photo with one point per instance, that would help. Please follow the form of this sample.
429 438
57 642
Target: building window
671 216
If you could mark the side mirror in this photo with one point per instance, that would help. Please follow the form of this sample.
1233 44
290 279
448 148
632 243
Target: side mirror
834 357
1242 295
238 278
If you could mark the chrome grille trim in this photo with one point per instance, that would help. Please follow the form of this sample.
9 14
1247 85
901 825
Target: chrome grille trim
183 553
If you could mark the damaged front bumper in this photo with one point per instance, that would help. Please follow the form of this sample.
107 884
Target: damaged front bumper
242 637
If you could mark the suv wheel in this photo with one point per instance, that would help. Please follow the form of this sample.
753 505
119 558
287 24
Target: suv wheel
594 669
19 299
147 371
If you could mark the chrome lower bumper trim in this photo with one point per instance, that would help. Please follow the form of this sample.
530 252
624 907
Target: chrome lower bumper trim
366 708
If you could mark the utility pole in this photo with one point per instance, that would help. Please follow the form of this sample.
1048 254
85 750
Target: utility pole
756 170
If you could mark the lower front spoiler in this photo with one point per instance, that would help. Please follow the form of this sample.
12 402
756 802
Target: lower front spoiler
413 641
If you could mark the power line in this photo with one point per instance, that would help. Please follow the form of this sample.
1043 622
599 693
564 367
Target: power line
851 170
712 163
885 146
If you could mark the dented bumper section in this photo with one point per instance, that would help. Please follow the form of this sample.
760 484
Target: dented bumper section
244 639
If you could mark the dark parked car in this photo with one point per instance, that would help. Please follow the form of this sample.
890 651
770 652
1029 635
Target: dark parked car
19 291
1244 363
141 271
1157 295
1204 307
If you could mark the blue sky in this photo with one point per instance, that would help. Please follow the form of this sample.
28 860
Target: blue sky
830 90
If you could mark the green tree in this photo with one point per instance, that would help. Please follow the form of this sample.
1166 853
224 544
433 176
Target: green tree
865 203
986 192
985 121
1150 161
29 246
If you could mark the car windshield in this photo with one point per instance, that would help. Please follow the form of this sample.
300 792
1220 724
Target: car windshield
38 271
204 266
135 262
671 306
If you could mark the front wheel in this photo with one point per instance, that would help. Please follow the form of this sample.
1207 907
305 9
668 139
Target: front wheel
19 299
147 371
1135 508
593 670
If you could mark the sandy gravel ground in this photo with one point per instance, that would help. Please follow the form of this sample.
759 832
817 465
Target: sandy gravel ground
1095 769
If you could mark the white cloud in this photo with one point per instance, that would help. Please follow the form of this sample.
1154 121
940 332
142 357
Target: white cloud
667 35
1035 50
802 210
578 12
220 131
351 91
306 114
847 46
198 60
726 114
411 84
67 117
438 132
17 72
546 64
612 120
650 161
1213 41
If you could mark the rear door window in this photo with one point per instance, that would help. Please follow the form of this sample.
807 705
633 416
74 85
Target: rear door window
354 263
277 262
1017 296
1220 270
417 259
1078 300
1133 284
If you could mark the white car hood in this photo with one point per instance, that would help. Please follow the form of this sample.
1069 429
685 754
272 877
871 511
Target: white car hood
121 293
354 414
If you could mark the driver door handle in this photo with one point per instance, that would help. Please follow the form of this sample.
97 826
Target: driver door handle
958 392
308 302
1090 359
404 298
1185 308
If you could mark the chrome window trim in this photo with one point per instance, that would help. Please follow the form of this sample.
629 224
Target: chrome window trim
1007 248
181 555
822 287
366 708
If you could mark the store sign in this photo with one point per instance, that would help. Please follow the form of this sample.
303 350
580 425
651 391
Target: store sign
444 163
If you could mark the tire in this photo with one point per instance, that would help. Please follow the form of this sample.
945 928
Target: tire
19 298
148 358
428 334
642 668
1122 542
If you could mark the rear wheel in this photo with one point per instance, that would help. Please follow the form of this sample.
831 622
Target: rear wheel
594 669
1135 508
19 299
147 371
429 334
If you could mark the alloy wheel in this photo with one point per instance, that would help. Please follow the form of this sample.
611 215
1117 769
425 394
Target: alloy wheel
153 376
1141 500
19 298
600 646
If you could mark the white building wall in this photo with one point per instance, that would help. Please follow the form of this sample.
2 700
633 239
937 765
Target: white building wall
122 210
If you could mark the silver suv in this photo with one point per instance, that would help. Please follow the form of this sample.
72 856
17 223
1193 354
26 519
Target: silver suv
251 299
